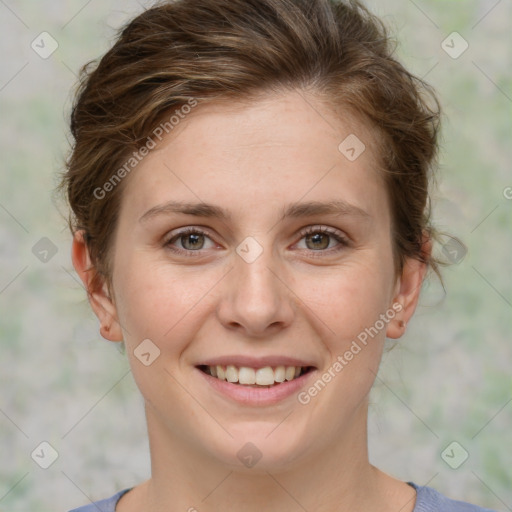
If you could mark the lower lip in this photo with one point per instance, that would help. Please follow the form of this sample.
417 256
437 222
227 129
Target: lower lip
257 396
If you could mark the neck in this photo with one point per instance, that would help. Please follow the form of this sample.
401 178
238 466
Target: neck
338 477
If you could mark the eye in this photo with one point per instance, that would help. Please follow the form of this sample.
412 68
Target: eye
190 239
320 238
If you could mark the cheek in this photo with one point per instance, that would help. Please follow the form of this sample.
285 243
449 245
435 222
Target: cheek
158 301
163 302
156 304
348 298
348 303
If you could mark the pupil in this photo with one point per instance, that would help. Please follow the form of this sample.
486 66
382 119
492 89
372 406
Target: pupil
195 238
317 237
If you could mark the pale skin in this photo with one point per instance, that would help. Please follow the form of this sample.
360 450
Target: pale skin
302 297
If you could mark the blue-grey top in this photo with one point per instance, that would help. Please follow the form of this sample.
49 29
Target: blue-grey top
427 500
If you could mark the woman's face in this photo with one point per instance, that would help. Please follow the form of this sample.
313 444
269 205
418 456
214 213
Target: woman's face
266 277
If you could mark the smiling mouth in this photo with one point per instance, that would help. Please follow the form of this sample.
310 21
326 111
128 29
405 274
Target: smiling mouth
265 377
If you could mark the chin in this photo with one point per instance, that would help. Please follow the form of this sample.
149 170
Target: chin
261 448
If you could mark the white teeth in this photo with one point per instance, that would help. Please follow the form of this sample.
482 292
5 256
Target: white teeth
280 374
266 376
246 375
231 373
290 372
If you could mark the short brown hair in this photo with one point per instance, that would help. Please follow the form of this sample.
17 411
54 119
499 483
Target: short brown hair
235 49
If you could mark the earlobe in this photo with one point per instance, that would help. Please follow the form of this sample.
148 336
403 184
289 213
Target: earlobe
98 295
408 291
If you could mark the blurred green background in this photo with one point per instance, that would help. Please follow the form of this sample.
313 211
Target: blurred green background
447 380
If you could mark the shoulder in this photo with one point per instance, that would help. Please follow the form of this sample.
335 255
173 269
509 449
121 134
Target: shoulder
107 505
429 500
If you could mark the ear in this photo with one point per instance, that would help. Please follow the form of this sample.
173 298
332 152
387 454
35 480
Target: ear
407 291
98 295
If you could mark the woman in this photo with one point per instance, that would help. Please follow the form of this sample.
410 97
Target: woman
249 190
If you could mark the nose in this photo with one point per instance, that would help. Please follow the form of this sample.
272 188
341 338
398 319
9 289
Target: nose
255 300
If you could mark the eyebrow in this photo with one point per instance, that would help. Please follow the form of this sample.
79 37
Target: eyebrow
336 207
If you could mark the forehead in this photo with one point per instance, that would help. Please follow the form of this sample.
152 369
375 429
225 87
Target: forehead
253 155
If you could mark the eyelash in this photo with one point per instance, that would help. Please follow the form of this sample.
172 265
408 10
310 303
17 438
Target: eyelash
343 241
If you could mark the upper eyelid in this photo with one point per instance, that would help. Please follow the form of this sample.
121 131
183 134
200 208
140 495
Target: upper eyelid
302 232
185 230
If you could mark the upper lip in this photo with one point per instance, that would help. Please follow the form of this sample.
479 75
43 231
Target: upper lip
255 362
